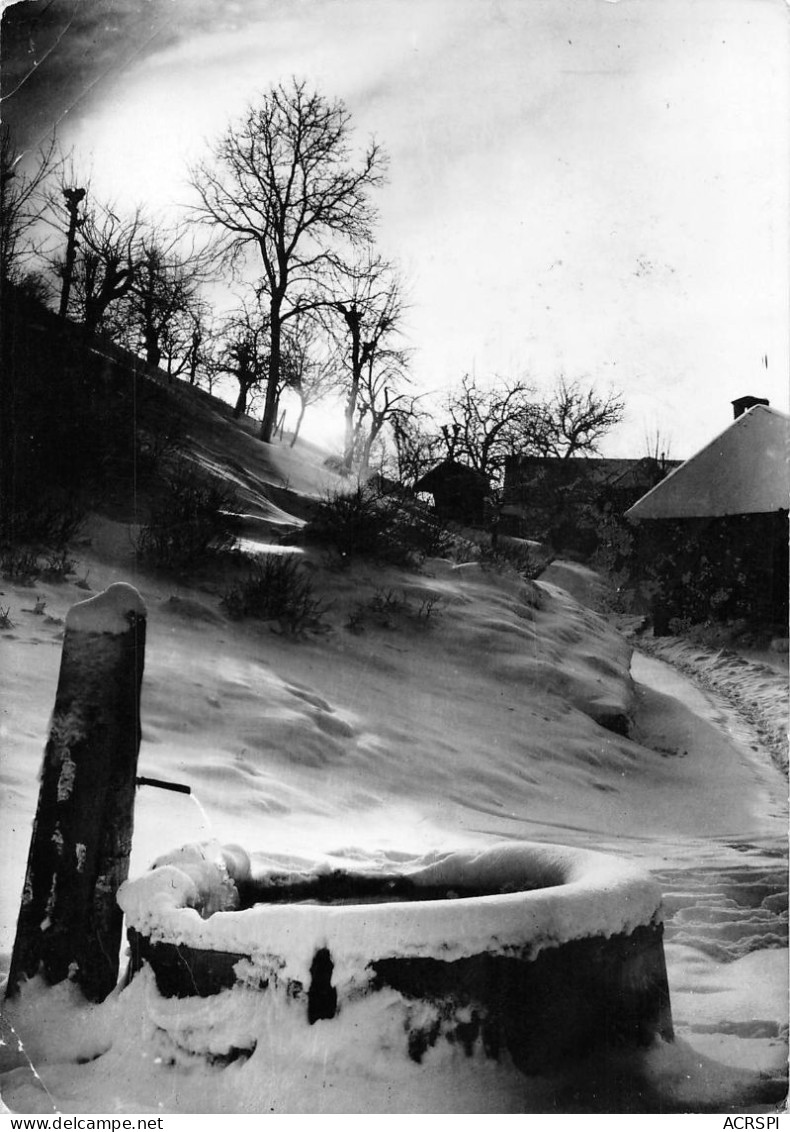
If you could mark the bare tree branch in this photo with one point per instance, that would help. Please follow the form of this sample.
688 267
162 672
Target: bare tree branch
577 419
23 202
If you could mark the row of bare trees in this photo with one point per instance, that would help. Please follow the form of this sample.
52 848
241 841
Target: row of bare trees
285 213
482 425
124 275
133 279
342 342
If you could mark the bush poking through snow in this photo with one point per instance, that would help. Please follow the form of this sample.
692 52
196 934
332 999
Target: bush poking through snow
19 565
388 608
35 528
23 565
430 607
387 604
366 523
356 620
354 523
508 555
49 520
59 566
192 519
277 588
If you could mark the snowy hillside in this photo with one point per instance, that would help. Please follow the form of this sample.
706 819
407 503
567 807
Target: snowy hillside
477 709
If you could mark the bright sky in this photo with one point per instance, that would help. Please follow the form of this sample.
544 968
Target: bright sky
576 186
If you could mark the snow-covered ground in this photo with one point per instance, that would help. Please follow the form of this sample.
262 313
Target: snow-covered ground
374 748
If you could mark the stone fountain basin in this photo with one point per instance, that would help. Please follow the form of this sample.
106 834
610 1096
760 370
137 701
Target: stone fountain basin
543 951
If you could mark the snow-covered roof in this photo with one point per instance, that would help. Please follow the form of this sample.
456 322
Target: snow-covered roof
744 471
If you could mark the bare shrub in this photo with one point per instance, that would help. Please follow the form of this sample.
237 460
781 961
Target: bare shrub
276 588
58 566
368 523
19 565
48 520
193 518
429 609
509 556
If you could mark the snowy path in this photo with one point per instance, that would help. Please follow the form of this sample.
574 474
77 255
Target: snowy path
744 804
725 901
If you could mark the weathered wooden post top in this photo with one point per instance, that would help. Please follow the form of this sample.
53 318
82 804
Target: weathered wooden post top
69 921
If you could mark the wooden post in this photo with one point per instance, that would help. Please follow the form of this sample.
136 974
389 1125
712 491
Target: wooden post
69 922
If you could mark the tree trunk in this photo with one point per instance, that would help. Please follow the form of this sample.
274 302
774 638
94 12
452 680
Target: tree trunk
299 420
93 315
73 198
153 351
193 357
377 424
113 287
353 321
269 421
241 401
69 923
351 428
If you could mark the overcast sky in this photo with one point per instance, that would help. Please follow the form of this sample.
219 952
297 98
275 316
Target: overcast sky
576 187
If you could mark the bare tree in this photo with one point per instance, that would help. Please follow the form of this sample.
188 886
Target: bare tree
22 202
65 212
485 424
365 297
73 195
124 274
565 500
244 352
282 181
187 341
418 447
379 401
105 260
165 283
658 446
577 419
311 366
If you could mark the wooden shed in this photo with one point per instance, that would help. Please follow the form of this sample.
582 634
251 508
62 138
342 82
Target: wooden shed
459 492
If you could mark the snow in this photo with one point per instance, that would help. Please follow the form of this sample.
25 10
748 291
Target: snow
396 749
109 612
247 1052
756 683
573 895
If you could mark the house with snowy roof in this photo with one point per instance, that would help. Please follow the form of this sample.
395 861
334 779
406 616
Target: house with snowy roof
712 537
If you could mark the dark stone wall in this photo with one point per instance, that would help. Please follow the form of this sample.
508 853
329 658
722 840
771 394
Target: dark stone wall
715 569
566 1002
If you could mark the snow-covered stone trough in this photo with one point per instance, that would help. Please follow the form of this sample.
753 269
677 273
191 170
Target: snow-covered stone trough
540 951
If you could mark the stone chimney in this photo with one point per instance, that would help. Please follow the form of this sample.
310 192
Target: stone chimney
741 405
